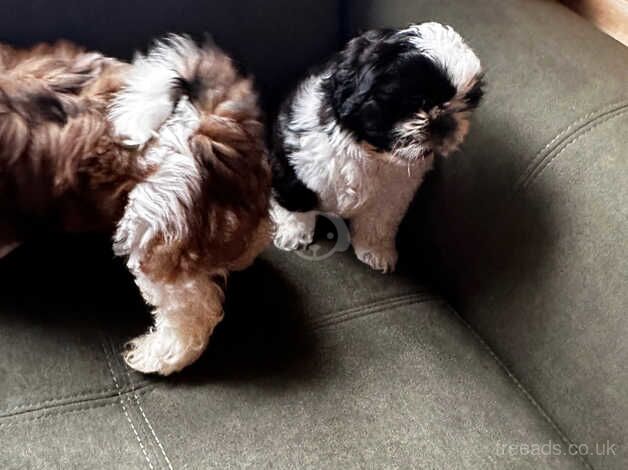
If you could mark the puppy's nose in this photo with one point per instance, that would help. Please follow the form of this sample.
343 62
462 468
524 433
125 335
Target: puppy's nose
443 126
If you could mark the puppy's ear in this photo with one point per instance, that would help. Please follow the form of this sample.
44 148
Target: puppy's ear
359 88
354 72
353 89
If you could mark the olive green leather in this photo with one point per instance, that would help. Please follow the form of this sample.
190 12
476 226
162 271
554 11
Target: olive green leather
525 230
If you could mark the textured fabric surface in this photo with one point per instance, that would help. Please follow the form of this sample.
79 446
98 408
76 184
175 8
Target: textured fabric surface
526 228
405 387
317 364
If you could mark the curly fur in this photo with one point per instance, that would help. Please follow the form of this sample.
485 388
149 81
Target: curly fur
357 137
166 152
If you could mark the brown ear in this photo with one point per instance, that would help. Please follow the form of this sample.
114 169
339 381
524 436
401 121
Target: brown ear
236 161
235 191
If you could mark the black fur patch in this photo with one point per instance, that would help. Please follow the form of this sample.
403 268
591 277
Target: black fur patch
190 88
48 108
288 189
379 80
443 126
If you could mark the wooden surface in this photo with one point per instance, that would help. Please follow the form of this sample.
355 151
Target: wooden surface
611 16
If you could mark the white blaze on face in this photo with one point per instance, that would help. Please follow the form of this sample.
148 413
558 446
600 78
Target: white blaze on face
446 48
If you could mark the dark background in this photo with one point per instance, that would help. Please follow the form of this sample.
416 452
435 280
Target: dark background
275 41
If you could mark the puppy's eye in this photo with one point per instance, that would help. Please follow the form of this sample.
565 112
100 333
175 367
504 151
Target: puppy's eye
427 104
370 109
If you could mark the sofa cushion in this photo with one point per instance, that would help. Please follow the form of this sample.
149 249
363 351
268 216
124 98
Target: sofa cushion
526 228
317 364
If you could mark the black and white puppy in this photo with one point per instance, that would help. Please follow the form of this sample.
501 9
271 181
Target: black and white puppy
357 137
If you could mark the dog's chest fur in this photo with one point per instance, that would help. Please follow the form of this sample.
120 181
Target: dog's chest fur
346 175
350 185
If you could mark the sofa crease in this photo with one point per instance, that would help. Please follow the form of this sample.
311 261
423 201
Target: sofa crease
563 140
517 383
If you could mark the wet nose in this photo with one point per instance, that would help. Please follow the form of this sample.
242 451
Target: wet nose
443 126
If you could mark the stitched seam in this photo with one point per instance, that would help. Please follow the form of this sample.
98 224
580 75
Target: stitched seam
374 303
124 409
53 415
579 121
365 310
518 384
547 161
347 311
106 393
150 427
583 121
86 406
40 404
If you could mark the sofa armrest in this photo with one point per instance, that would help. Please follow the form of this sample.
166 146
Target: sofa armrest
526 228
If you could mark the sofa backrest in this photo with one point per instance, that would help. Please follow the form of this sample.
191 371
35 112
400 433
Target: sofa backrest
275 40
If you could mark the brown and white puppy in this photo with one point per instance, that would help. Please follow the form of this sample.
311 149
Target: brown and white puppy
167 153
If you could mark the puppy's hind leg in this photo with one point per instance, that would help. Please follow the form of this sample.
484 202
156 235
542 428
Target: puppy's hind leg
292 230
186 313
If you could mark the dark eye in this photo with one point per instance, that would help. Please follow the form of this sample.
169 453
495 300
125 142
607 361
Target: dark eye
428 103
474 95
443 126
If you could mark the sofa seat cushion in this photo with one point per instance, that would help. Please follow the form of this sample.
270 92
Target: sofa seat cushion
525 230
317 364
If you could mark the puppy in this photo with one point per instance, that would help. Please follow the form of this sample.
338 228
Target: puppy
166 153
357 137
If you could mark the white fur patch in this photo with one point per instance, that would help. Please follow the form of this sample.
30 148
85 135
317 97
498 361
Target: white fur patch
160 204
447 48
146 100
186 313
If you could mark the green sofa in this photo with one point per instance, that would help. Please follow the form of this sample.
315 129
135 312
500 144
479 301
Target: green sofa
501 342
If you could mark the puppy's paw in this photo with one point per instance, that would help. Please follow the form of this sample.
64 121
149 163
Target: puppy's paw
293 237
162 351
292 230
379 258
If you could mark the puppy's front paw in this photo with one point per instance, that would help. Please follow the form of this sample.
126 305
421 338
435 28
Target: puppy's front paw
161 351
291 230
379 258
293 237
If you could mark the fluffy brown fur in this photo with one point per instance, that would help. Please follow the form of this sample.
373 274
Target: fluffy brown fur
63 168
60 168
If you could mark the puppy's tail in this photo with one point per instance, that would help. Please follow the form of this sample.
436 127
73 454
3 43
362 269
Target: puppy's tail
173 67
